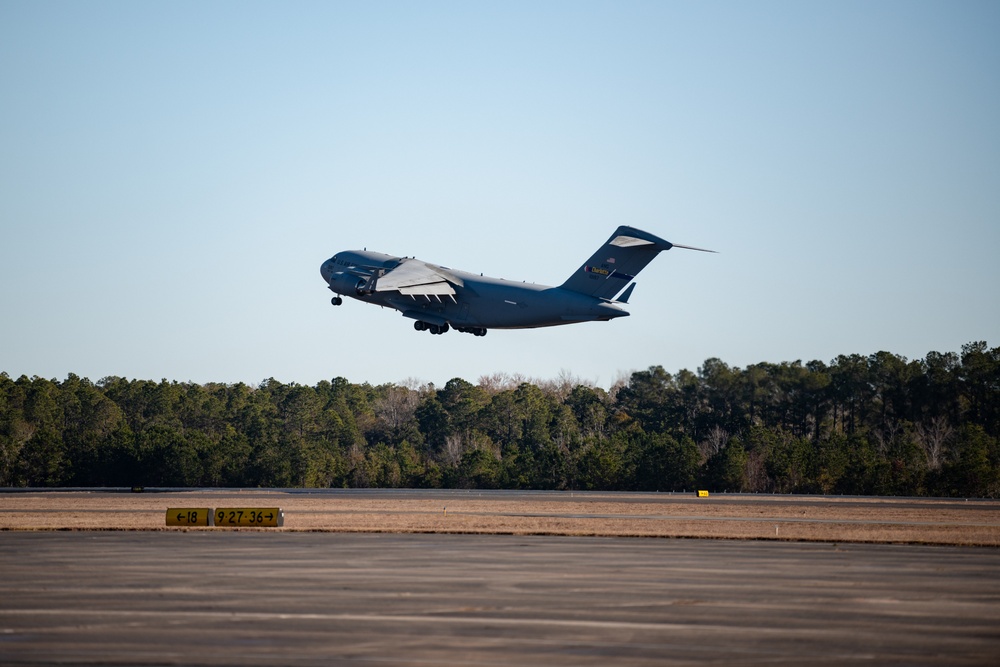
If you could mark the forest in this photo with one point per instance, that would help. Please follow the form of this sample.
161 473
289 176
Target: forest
858 425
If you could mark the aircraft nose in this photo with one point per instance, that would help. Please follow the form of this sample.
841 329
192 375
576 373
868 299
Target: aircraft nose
326 269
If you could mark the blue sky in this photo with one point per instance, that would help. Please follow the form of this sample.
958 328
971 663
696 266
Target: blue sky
173 174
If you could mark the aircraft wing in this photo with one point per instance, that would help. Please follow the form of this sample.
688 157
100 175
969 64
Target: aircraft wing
417 278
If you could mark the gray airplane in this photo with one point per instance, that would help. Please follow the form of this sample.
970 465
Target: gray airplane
439 298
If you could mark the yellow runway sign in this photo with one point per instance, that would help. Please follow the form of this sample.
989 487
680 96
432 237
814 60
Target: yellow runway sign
188 516
270 517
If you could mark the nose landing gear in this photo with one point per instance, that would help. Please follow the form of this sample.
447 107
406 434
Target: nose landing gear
336 301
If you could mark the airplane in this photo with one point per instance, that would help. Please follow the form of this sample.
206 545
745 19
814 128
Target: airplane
439 298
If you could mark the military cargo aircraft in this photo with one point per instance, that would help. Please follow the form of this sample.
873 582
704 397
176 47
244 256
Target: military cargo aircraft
439 298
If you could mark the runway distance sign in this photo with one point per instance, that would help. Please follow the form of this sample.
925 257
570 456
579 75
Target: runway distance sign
189 516
268 517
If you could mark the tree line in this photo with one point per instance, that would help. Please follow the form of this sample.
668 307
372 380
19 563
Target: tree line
862 425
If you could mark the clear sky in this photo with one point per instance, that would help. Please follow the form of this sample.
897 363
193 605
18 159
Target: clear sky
172 175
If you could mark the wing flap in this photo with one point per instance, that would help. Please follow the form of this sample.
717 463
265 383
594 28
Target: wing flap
430 289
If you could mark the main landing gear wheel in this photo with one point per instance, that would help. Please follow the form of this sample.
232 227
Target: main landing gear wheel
433 328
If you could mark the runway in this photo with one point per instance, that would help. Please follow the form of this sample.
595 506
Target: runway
299 598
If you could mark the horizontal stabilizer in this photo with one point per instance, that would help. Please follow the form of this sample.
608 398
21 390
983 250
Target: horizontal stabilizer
691 247
624 297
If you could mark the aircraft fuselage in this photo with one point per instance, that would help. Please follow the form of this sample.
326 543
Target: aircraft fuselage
479 303
439 298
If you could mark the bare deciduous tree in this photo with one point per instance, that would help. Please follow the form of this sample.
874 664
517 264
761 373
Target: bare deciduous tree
933 437
714 443
397 406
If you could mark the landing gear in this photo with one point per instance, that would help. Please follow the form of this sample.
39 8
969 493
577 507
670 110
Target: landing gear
436 329
336 301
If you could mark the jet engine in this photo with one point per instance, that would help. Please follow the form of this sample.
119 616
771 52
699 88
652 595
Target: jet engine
345 283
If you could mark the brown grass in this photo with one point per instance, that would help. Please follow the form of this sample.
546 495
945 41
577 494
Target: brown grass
638 515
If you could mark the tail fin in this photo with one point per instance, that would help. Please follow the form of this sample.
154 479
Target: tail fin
610 269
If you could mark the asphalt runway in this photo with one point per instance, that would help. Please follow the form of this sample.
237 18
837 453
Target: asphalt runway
258 598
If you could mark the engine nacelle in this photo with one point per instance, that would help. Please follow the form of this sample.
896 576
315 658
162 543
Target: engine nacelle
348 285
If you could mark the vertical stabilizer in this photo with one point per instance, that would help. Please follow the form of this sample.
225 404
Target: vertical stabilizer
610 269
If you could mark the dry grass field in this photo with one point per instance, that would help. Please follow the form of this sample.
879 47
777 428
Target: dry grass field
798 518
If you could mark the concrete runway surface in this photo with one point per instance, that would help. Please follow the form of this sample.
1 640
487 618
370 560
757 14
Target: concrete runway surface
255 598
